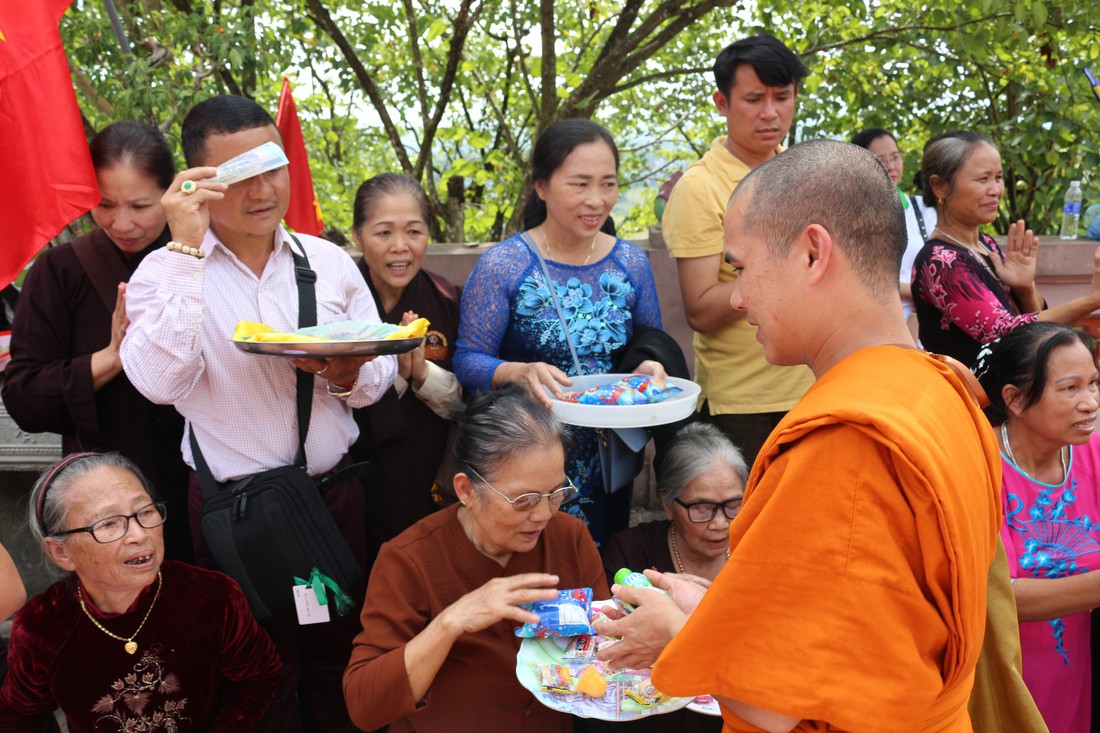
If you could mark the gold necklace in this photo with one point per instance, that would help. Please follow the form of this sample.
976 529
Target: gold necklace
676 551
130 646
550 252
1012 458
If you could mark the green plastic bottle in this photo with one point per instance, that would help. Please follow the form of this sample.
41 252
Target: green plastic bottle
626 576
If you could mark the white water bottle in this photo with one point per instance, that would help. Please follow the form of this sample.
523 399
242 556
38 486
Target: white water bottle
1071 211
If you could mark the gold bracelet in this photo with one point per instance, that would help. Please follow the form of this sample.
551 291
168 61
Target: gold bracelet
184 249
342 392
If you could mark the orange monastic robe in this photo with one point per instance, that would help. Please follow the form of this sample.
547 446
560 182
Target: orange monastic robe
854 596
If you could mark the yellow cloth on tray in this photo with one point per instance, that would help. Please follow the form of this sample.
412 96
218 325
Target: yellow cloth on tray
252 331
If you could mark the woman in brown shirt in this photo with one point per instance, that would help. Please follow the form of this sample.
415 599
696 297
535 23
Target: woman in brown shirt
438 649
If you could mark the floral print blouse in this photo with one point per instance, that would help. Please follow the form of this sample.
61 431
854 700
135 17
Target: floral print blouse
960 301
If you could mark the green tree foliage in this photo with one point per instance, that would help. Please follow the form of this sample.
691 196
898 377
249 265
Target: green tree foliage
453 92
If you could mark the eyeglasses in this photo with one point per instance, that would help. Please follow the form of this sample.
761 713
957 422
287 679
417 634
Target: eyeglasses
114 528
890 159
527 502
704 511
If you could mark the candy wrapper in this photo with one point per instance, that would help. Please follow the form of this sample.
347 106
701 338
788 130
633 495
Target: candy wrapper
636 389
566 615
555 678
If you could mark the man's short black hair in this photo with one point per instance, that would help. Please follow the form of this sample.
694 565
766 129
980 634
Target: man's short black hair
774 63
220 115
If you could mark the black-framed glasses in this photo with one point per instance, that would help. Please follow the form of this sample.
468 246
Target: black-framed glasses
114 528
704 511
527 502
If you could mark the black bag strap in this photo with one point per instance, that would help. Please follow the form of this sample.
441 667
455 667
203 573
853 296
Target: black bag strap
920 217
306 278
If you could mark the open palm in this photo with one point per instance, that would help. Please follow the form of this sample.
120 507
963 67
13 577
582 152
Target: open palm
1020 257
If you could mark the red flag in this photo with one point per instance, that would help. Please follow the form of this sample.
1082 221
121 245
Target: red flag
48 179
304 213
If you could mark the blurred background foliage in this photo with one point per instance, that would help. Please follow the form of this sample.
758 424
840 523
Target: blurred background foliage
453 92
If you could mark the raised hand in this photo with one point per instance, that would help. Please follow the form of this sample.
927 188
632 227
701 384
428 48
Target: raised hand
412 366
1021 255
187 213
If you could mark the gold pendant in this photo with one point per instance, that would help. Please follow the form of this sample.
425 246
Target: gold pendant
131 647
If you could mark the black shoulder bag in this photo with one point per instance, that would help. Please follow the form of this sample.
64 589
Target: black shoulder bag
266 529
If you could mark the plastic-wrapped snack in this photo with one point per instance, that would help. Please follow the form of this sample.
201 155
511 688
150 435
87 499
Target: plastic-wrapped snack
580 647
555 678
636 389
365 331
566 615
644 693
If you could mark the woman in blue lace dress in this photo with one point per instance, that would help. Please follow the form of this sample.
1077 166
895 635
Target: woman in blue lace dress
510 330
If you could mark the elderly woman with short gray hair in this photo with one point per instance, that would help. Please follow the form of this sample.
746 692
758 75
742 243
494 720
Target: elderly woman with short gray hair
127 641
438 649
700 485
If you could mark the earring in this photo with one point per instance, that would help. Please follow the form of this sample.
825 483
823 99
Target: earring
462 503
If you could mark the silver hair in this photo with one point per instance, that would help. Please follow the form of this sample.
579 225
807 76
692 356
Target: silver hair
691 454
59 483
498 425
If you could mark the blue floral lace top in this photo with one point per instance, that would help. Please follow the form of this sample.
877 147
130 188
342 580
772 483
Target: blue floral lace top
507 314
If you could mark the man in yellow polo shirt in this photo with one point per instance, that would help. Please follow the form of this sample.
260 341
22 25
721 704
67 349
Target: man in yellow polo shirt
757 84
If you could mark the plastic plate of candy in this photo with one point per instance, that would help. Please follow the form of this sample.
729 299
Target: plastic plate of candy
625 416
328 349
615 704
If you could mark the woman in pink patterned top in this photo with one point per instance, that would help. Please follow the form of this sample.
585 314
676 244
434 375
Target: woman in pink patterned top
967 289
1042 385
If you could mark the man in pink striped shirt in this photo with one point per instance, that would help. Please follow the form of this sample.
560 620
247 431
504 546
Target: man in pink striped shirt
231 260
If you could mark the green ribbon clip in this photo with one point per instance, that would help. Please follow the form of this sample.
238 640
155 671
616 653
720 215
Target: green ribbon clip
318 581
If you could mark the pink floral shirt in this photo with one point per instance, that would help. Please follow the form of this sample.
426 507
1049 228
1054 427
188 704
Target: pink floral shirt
960 301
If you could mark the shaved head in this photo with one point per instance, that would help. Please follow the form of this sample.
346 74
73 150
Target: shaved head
841 187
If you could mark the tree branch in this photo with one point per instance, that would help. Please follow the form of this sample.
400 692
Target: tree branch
463 22
659 75
897 30
323 19
418 62
548 87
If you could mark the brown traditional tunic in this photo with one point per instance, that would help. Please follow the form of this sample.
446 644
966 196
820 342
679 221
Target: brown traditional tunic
60 321
422 572
401 436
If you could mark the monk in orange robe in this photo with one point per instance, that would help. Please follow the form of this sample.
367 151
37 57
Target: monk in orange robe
854 597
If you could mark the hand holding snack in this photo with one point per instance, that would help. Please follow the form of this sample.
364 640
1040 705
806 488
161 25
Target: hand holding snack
645 632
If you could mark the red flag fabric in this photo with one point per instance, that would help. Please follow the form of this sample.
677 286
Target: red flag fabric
48 179
304 213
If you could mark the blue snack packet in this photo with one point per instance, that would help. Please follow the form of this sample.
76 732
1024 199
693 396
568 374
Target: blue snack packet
566 615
